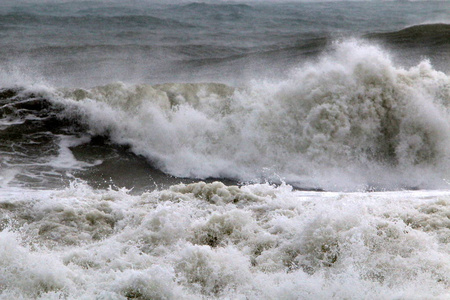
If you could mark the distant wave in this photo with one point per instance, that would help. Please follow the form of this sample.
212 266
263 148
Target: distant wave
224 7
428 34
217 55
193 51
91 20
192 54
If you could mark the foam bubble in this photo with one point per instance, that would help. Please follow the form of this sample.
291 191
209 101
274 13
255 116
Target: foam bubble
191 241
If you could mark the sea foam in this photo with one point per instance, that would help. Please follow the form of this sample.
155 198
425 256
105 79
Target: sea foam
212 240
351 119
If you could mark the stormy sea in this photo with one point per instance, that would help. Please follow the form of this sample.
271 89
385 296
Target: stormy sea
224 150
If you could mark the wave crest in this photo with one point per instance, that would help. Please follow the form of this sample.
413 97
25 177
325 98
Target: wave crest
353 116
425 34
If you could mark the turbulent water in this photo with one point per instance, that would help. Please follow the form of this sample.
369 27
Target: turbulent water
224 150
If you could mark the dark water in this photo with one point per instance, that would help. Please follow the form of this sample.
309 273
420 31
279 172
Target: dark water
31 134
90 43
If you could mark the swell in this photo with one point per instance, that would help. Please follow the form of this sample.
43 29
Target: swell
145 21
287 53
417 35
227 7
192 51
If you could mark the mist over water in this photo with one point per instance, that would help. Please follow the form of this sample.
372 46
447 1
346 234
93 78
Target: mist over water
85 44
224 150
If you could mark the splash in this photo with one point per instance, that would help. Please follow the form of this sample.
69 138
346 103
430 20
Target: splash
353 118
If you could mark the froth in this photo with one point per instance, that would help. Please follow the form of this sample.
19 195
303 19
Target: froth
65 158
351 119
212 240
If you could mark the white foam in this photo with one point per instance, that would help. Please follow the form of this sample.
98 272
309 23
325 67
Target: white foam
65 158
7 175
351 119
211 240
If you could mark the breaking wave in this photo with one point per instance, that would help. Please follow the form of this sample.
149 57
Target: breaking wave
352 119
